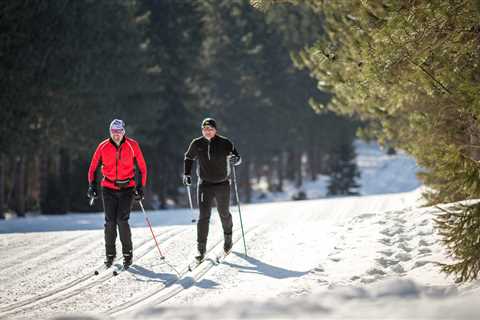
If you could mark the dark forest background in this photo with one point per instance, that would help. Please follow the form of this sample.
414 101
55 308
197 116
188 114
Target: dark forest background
69 67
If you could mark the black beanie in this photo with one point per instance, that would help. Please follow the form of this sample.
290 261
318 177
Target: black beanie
209 122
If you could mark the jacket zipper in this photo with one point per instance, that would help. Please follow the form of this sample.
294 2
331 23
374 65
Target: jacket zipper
209 150
116 162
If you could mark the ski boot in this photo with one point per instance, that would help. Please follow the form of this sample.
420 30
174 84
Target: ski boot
202 248
227 244
109 260
127 260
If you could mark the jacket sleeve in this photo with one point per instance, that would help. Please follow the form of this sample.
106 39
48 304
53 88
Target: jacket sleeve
94 164
190 156
141 164
236 153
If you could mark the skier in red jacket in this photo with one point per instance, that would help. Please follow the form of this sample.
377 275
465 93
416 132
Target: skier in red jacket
118 156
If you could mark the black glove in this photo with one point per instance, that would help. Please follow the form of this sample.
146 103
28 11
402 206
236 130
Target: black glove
187 180
235 160
138 195
92 191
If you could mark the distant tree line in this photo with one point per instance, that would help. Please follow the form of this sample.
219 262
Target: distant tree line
69 67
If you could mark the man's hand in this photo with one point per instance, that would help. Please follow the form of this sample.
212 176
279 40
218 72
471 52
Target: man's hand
138 194
92 192
235 160
187 180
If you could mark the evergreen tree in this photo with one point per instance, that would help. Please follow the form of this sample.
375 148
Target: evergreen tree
411 70
172 42
343 170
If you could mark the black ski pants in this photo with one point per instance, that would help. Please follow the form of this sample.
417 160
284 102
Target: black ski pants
207 192
117 205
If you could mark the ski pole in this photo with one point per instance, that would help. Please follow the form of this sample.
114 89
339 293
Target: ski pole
239 211
162 257
151 230
191 204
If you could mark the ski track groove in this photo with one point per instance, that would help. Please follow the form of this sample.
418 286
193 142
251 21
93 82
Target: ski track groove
183 281
105 274
37 254
55 259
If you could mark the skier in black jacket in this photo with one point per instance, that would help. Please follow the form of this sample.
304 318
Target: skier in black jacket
213 153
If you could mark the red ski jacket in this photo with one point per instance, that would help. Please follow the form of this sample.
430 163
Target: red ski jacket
118 163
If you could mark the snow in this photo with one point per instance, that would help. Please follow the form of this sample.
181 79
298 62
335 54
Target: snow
334 258
380 173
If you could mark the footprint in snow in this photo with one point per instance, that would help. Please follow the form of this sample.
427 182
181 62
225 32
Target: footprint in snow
388 232
403 256
386 241
403 239
423 243
427 232
398 268
400 221
424 222
363 217
424 251
375 271
368 280
421 263
387 253
386 262
318 269
404 247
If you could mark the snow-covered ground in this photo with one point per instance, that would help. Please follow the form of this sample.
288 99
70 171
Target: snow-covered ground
343 258
380 173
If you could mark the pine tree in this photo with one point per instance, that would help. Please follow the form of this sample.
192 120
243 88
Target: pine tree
343 171
172 40
411 70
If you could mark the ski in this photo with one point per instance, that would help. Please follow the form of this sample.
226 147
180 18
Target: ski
105 267
119 270
219 259
193 265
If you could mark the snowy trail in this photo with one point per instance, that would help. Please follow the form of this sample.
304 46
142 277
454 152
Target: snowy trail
292 241
186 280
81 279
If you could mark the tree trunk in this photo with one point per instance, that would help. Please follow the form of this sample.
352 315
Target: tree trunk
2 187
43 192
270 175
298 169
11 174
162 188
290 165
63 180
312 163
474 141
280 171
244 182
20 187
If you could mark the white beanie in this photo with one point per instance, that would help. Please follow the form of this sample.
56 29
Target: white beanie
117 124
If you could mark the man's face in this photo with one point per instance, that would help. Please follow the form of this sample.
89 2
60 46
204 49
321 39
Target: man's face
209 132
117 135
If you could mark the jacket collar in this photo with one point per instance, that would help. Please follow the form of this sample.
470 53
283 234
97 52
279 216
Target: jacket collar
213 139
121 142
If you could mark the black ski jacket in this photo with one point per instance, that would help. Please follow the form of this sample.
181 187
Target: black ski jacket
212 156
